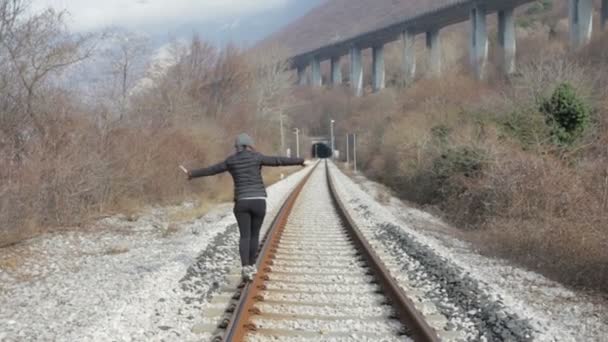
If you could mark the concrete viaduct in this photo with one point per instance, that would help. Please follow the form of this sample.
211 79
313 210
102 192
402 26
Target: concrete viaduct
430 23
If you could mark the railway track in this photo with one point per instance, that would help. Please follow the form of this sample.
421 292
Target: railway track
319 280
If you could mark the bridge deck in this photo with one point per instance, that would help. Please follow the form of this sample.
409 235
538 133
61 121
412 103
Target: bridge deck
435 14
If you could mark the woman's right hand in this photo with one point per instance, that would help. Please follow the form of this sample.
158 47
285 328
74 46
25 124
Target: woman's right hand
186 171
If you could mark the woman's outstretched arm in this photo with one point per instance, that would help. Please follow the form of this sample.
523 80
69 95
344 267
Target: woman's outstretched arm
281 161
209 171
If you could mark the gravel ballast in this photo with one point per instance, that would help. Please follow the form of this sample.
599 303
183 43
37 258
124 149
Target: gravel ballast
490 298
123 279
137 279
324 307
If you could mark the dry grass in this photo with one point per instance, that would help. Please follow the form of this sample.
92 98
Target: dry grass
170 230
383 196
10 263
191 214
116 250
13 259
570 252
27 228
549 216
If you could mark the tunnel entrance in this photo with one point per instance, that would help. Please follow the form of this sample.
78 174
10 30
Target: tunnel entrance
321 150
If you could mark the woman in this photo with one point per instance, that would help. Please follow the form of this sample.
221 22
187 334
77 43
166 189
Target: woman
249 194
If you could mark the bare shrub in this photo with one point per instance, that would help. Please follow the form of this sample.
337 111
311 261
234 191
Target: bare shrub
69 161
539 78
547 215
482 154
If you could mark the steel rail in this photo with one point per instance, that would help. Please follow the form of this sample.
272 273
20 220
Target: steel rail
409 316
237 327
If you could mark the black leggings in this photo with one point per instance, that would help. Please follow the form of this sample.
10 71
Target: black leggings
250 216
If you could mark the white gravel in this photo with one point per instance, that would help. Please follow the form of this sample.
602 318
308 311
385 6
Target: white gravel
122 279
324 310
322 306
333 278
555 312
350 326
126 280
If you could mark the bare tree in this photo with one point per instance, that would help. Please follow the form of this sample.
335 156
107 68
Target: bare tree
193 70
39 47
127 54
272 87
10 10
230 76
212 78
193 62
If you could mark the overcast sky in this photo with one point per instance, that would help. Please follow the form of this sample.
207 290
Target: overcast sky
242 21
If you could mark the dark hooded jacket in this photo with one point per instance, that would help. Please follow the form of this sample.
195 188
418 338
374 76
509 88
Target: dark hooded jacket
245 167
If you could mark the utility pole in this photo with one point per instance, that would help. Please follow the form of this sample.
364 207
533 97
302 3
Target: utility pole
297 132
333 143
355 151
283 152
347 149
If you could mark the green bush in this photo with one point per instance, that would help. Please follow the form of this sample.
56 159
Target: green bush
524 22
528 127
539 7
451 167
566 113
441 133
534 13
466 161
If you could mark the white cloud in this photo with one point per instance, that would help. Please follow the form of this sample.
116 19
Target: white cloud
152 14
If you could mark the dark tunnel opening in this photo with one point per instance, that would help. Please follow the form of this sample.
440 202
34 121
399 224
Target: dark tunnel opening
321 150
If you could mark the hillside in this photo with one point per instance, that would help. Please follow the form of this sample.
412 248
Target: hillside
492 157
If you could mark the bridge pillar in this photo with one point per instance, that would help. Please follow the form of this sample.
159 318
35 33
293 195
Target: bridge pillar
379 73
581 22
409 56
336 71
479 41
302 78
433 44
604 14
316 78
507 39
356 71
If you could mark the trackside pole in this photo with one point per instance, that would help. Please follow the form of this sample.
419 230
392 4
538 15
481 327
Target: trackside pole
297 132
355 151
347 150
